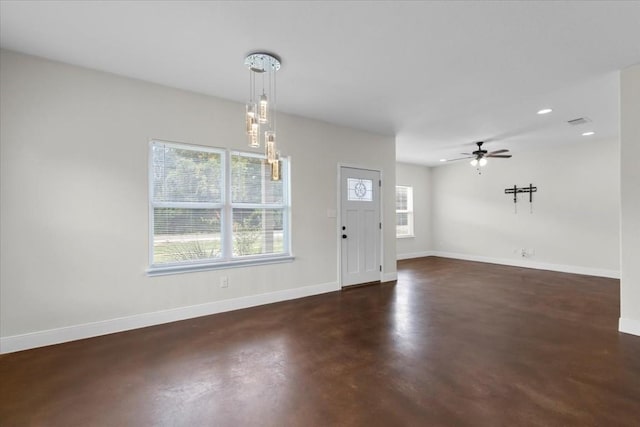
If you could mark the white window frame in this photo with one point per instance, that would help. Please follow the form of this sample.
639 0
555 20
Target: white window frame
408 211
227 260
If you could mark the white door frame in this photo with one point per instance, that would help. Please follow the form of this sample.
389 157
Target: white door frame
339 218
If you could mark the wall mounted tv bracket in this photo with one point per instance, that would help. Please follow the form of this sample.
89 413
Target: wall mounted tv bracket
515 190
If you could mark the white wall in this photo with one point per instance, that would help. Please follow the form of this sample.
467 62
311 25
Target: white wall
418 177
630 203
74 208
575 222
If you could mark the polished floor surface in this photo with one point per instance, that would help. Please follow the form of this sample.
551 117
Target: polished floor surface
452 343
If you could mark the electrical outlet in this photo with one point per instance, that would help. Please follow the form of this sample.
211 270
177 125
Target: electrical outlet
527 252
224 282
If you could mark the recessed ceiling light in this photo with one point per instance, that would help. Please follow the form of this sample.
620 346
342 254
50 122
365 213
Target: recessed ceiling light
545 111
443 160
588 133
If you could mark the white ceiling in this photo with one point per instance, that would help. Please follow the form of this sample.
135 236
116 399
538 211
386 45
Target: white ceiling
438 75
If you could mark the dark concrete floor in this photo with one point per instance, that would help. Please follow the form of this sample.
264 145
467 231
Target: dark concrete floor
453 343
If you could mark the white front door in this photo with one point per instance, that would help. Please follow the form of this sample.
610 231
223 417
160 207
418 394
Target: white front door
360 226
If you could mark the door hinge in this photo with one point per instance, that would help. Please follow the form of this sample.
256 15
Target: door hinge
379 183
380 268
380 226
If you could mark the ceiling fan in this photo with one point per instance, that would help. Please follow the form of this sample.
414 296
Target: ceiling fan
480 156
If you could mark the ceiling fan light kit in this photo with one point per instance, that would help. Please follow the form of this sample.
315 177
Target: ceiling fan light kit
479 162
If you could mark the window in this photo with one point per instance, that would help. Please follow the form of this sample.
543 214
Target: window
212 208
360 189
404 211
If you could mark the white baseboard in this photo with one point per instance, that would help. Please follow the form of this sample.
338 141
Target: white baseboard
629 326
414 255
94 329
528 263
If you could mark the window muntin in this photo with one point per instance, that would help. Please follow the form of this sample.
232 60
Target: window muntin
197 220
404 211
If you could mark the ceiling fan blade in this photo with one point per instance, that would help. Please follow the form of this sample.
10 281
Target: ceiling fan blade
499 156
499 151
467 154
461 158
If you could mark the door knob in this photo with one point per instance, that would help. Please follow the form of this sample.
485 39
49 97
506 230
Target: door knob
344 236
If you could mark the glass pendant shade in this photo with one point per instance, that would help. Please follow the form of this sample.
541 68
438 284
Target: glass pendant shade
482 161
270 146
254 135
276 169
263 116
474 162
250 117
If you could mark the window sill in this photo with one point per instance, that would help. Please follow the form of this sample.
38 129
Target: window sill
408 236
189 268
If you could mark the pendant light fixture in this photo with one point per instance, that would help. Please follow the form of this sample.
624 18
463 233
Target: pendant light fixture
270 146
276 168
260 112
